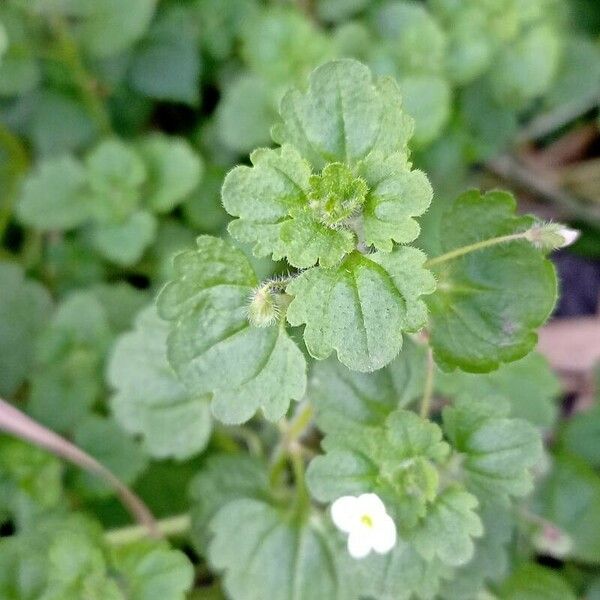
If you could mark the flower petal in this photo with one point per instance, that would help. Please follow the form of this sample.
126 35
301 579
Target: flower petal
383 537
359 544
344 513
371 504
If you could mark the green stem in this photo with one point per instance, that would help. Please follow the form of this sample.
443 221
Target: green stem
458 252
85 83
169 527
292 432
298 467
428 390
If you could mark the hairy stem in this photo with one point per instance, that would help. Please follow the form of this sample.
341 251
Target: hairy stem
428 390
458 252
14 422
169 527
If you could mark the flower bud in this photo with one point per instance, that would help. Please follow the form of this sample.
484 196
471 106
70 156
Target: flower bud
263 310
551 236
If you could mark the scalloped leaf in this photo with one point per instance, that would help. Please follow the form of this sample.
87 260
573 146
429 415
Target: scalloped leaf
394 457
361 308
343 116
277 557
488 303
212 346
498 451
149 400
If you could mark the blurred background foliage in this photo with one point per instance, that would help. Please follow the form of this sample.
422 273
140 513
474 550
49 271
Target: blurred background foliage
118 122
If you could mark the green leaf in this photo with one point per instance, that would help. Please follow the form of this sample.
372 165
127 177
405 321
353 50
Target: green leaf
246 111
24 309
222 23
53 195
60 124
277 557
533 582
490 560
124 243
361 307
581 433
528 385
103 439
489 302
345 398
526 68
402 574
570 498
151 570
498 451
167 64
393 457
30 482
203 209
107 27
70 353
283 46
212 346
262 195
396 194
76 569
174 170
149 400
223 478
449 527
115 173
343 116
65 558
286 210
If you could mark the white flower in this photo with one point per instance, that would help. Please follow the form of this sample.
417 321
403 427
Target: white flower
366 522
569 235
551 236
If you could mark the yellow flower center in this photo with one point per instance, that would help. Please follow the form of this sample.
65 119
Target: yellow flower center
366 520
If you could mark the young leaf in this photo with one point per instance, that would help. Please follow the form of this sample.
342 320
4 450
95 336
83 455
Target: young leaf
24 309
361 307
213 347
343 116
489 302
277 557
53 195
449 527
149 400
224 477
498 451
394 457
